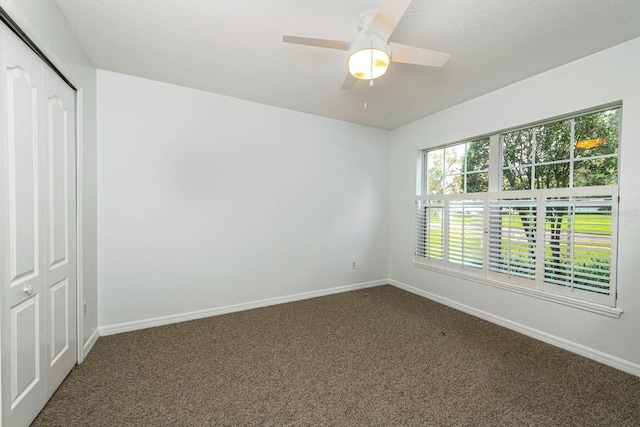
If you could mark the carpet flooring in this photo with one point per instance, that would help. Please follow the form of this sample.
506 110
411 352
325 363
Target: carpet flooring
373 357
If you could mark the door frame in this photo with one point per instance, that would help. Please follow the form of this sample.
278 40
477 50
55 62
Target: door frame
13 19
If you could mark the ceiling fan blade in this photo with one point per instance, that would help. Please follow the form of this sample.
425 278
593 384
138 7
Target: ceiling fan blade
308 41
349 82
388 16
415 55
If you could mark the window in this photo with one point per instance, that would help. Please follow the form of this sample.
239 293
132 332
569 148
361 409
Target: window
549 223
460 168
576 152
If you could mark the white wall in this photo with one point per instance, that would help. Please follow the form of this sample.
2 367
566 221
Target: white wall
207 201
44 24
605 77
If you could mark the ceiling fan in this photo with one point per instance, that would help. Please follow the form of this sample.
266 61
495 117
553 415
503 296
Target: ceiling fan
370 51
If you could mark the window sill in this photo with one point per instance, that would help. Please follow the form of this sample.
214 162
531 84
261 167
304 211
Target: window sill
536 293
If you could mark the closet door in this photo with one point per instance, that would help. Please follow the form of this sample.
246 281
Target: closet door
23 283
60 229
37 219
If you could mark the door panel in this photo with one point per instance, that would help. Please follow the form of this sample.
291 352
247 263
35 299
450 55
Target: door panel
25 349
22 135
59 321
57 124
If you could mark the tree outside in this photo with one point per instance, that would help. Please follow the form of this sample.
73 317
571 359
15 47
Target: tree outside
540 157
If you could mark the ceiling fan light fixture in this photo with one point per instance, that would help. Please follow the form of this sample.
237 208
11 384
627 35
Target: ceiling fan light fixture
368 64
368 57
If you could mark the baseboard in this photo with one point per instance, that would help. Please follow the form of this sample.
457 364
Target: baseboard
216 311
598 356
90 342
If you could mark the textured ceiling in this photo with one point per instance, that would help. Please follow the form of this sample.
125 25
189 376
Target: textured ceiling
235 48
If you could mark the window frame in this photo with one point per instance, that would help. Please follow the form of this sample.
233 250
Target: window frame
540 288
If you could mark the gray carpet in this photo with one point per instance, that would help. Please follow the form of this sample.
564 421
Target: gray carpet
374 357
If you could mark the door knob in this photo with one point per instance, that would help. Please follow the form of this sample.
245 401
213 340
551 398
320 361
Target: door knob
28 290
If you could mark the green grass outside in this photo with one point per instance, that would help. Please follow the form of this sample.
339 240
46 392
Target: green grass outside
586 251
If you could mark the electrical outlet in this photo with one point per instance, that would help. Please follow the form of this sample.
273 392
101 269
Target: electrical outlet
84 307
353 264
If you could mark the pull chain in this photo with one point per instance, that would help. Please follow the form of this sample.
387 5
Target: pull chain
366 92
370 75
371 64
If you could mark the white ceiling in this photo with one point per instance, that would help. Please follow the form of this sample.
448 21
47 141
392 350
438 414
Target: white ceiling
235 48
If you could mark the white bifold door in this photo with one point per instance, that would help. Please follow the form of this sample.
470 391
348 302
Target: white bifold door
38 229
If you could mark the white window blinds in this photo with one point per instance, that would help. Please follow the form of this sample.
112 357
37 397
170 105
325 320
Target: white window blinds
466 233
430 230
579 243
555 240
513 236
